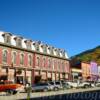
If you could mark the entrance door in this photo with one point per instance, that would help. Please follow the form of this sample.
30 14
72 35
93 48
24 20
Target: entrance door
19 79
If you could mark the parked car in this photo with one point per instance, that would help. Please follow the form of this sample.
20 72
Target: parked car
65 85
41 87
10 87
83 84
56 85
97 84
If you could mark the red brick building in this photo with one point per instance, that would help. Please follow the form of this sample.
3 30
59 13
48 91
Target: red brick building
23 60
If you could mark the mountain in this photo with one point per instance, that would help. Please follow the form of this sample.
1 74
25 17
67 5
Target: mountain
88 55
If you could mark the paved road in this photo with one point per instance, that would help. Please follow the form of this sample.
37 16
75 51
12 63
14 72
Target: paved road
71 94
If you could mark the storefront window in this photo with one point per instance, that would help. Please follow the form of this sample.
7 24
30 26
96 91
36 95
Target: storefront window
5 56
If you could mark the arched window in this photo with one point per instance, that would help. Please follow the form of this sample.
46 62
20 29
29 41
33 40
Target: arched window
5 56
44 61
30 60
58 65
21 59
38 61
14 58
49 63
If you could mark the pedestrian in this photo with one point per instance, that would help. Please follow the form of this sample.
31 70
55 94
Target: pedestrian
28 89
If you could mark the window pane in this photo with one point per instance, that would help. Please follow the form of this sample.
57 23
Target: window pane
22 59
5 56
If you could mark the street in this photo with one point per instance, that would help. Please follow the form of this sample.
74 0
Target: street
71 94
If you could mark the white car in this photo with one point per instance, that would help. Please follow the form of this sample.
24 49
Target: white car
74 84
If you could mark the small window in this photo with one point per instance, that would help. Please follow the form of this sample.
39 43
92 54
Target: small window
5 53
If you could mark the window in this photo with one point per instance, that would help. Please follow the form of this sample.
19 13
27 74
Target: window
38 61
28 44
51 50
49 63
53 64
58 53
63 53
44 62
5 56
44 49
58 65
14 57
63 67
7 38
21 59
19 42
30 60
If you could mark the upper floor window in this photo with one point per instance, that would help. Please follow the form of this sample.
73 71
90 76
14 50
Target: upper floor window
58 52
7 38
63 53
5 53
38 61
28 44
44 61
36 46
22 59
63 67
49 63
58 65
18 41
14 58
51 50
45 49
30 60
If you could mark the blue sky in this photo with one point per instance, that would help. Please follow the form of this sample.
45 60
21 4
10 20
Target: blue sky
73 25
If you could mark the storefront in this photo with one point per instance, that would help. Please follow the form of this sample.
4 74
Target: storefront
3 74
29 76
11 73
53 76
43 76
76 73
49 76
57 76
20 76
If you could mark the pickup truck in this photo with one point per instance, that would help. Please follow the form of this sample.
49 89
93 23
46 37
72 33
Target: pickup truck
83 84
10 87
